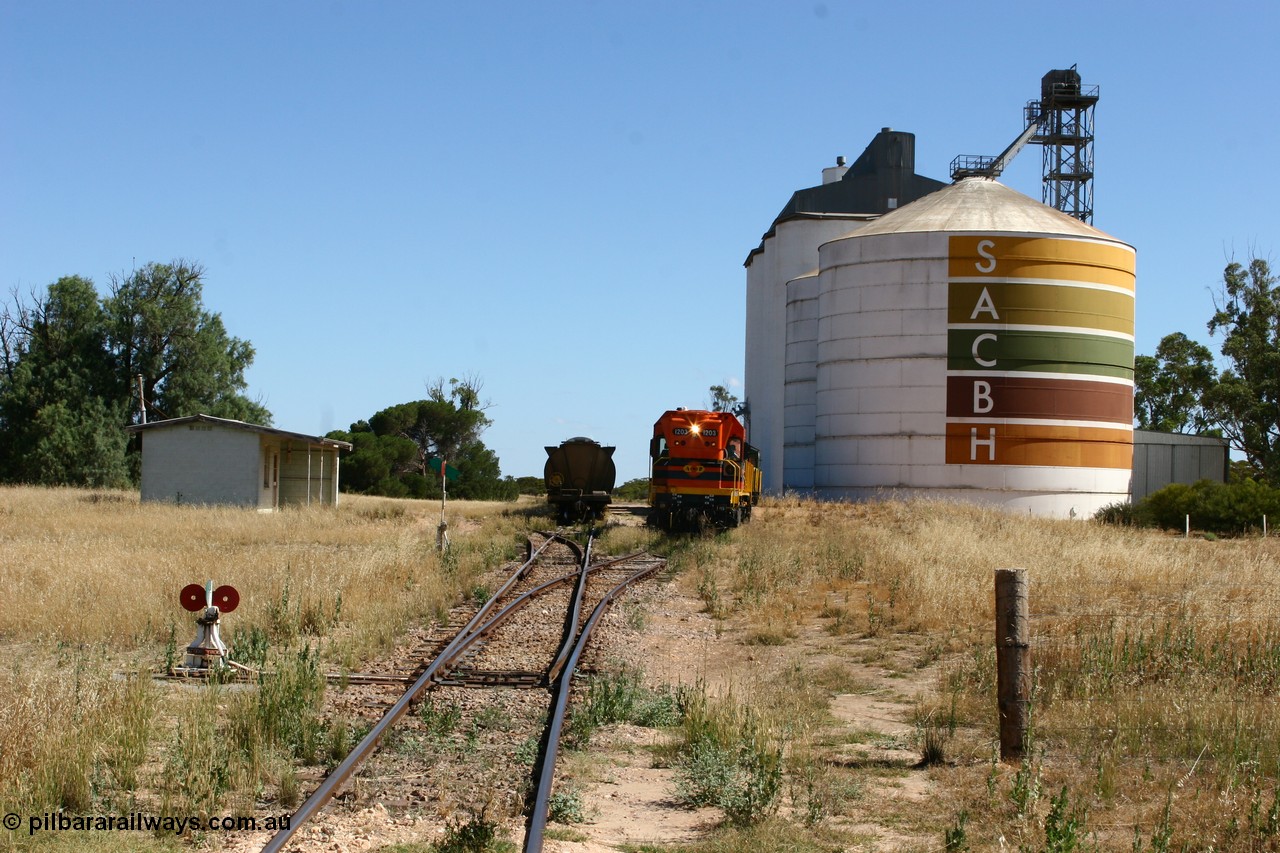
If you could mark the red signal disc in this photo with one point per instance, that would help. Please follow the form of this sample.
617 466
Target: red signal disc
192 597
225 598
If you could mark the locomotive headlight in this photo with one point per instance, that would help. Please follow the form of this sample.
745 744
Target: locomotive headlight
695 429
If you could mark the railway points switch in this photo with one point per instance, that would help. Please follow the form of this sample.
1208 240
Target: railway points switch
207 651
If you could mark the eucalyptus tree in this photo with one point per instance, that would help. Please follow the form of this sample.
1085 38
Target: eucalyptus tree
393 449
1171 385
61 410
159 330
1245 400
69 363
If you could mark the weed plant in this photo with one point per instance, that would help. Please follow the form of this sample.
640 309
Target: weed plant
620 697
283 713
477 834
728 757
439 719
954 838
565 805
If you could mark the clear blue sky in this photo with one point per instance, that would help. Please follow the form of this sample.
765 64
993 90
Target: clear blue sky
558 197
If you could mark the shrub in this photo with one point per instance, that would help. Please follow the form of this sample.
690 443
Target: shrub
1120 512
1214 507
620 698
729 759
565 806
1167 507
1237 507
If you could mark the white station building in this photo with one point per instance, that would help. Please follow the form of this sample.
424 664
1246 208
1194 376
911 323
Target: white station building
201 459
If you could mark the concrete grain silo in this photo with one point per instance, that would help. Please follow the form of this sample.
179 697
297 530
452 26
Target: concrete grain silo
882 179
800 381
975 344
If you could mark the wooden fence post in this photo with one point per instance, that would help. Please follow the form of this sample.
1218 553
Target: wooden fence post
1013 661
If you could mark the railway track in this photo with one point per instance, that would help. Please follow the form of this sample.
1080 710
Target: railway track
530 635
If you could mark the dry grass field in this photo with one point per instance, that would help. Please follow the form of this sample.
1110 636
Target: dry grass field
1156 669
91 611
1157 665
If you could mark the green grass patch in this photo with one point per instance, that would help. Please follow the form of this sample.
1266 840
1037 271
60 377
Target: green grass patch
620 697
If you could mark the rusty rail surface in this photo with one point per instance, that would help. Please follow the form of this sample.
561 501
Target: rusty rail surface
334 781
546 773
439 671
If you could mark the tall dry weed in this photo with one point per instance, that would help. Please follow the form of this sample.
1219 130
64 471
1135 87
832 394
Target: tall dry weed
73 732
80 568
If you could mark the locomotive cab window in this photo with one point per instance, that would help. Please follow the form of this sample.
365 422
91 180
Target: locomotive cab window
733 449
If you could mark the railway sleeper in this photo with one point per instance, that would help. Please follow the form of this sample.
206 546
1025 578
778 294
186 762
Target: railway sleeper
493 678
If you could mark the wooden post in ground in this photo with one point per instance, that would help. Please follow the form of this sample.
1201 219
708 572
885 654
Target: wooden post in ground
1013 661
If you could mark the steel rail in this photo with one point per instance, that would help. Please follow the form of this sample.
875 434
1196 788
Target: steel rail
343 771
574 614
460 676
554 535
571 621
503 615
524 598
542 799
613 562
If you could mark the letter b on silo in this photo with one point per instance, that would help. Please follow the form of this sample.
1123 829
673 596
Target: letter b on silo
982 401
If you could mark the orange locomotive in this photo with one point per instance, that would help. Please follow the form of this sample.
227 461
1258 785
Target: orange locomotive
701 470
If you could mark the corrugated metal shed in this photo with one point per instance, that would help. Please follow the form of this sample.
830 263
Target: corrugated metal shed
1161 458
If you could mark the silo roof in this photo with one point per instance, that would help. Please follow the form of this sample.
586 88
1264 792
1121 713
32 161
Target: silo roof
883 174
979 204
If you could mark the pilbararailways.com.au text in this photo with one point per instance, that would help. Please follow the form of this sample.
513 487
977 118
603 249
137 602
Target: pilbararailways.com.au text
138 822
